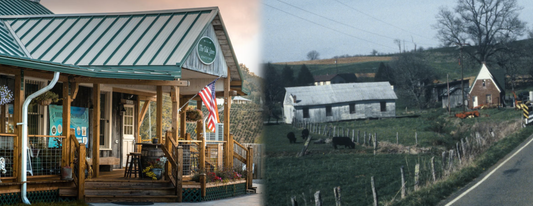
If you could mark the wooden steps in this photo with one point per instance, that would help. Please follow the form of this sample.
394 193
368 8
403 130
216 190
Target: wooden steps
129 191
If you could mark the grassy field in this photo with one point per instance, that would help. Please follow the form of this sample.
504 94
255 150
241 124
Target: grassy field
324 168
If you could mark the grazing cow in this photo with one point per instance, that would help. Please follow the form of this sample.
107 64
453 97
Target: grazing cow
305 133
346 141
292 138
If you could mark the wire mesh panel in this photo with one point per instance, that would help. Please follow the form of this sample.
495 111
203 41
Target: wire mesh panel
190 158
213 157
6 152
45 155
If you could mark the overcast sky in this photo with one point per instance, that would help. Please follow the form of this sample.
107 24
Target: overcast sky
241 18
336 27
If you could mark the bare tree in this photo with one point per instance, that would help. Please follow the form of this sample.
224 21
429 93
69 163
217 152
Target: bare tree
413 75
487 25
313 55
399 43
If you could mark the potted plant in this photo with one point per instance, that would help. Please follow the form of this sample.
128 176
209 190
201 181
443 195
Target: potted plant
155 170
193 114
46 98
6 95
155 140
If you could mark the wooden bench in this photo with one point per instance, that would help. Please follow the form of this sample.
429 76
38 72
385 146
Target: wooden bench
106 163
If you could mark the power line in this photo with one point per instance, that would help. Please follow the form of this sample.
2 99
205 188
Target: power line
327 27
346 5
338 22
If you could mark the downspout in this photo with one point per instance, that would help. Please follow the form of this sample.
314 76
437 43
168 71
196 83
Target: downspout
24 124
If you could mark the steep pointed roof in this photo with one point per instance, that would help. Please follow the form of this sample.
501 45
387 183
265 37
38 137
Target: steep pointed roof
484 73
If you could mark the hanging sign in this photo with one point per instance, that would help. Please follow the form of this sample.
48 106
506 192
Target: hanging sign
207 50
79 121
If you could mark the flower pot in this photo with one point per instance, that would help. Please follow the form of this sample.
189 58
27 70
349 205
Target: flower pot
45 102
66 173
155 141
158 172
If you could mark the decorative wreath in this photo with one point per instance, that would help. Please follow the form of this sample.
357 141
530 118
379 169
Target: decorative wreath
6 95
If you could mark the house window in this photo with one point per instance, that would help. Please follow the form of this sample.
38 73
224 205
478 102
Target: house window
383 106
306 112
352 108
483 83
489 99
328 111
128 120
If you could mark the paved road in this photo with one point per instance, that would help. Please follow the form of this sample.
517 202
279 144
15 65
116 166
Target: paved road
510 182
245 200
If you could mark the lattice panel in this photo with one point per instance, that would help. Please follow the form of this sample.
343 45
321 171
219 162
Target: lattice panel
34 196
216 193
192 195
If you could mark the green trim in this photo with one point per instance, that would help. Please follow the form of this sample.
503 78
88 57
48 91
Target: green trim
31 28
118 73
139 39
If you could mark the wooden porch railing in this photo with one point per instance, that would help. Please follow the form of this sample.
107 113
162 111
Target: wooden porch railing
249 161
174 166
78 163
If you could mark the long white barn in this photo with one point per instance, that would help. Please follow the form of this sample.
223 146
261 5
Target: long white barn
337 102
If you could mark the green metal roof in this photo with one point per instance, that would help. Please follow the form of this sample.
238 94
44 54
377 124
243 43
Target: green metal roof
121 45
22 7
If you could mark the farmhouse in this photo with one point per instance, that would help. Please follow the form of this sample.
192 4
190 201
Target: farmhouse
337 102
335 79
106 69
486 89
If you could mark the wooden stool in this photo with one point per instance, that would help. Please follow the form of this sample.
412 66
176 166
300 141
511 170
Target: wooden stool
133 164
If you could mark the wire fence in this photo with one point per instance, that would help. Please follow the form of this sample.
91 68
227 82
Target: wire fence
45 155
6 152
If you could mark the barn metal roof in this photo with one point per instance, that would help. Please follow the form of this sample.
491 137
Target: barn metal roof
22 7
126 43
340 93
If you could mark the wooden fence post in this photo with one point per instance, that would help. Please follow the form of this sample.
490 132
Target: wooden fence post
417 176
307 141
318 198
397 138
179 176
81 172
334 127
293 201
403 182
375 143
464 149
337 193
416 138
458 153
364 138
433 168
374 193
443 160
250 167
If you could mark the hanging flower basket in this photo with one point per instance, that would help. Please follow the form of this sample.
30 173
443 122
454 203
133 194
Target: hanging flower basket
46 98
193 115
6 95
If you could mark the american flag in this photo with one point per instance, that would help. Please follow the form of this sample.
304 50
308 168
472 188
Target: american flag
208 97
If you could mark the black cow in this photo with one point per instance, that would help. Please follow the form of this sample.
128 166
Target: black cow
346 141
292 138
305 133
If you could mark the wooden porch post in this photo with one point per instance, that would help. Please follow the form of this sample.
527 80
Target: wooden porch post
228 151
249 167
2 119
201 146
17 117
96 130
174 95
183 122
65 160
140 120
160 113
